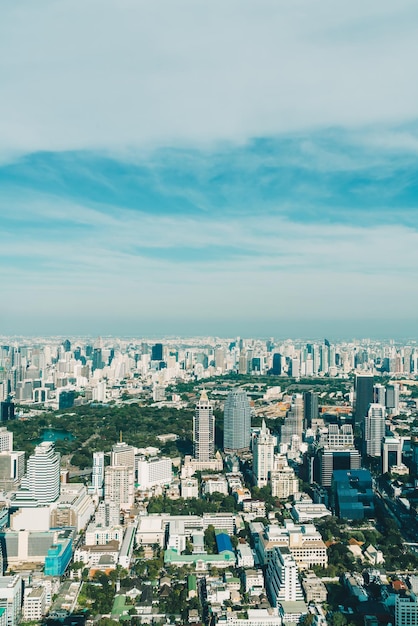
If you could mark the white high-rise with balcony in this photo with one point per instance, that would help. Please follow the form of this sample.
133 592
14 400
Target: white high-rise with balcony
43 473
374 429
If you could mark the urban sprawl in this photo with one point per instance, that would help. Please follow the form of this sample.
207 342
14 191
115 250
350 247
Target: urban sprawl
238 482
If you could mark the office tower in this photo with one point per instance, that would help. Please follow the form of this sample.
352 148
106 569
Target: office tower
310 408
12 469
6 440
203 430
242 364
277 364
391 453
364 397
353 494
329 460
123 454
406 610
66 345
43 473
97 477
97 363
11 590
7 411
237 421
263 455
282 578
295 367
153 472
66 399
157 352
324 358
293 422
219 357
119 485
374 429
379 394
392 399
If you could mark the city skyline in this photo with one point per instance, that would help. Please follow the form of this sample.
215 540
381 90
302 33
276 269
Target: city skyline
207 169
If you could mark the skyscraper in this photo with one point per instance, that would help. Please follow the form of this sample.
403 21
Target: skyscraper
203 430
157 352
237 421
293 423
374 429
119 485
364 397
310 408
43 473
263 457
97 477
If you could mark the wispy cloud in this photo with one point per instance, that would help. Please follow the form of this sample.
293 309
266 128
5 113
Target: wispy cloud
111 74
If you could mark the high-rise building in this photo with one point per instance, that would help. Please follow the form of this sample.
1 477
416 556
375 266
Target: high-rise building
7 411
157 352
6 440
310 408
237 421
97 477
282 578
329 460
43 473
406 610
263 455
293 423
392 399
379 394
277 364
119 485
203 430
364 397
374 429
153 472
123 454
97 363
11 589
391 453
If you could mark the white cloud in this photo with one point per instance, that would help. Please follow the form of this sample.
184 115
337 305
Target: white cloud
281 269
114 74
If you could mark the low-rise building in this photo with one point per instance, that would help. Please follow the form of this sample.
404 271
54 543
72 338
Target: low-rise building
314 589
34 604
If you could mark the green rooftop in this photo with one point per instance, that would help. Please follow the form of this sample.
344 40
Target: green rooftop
118 605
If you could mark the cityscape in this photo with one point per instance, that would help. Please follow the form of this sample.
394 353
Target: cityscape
209 313
205 480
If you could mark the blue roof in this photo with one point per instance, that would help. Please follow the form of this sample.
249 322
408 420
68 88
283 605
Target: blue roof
223 543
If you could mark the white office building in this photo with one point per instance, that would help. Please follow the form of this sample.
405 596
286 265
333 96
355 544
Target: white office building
406 610
374 429
153 472
11 598
97 477
43 473
263 459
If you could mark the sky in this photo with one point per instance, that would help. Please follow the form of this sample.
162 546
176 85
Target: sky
215 168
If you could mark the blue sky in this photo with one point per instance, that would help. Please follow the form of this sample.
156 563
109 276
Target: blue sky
213 168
